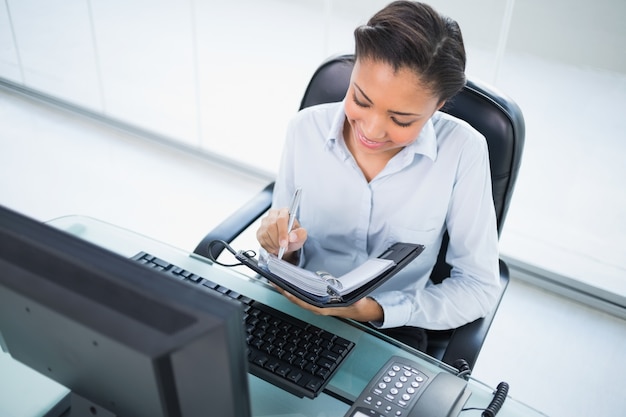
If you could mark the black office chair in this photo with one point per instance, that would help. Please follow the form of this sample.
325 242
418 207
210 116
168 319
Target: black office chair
497 117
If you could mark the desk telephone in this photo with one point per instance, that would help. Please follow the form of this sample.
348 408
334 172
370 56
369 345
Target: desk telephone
401 389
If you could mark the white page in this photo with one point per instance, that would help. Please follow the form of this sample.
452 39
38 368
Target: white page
302 278
364 273
313 283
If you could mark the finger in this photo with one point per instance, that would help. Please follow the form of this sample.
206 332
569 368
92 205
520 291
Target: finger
298 235
267 234
264 236
282 223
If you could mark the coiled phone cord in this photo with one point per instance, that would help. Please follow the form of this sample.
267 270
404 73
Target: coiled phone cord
498 399
502 390
463 367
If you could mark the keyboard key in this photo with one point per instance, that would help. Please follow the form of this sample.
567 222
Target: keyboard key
283 370
209 284
272 365
314 384
260 360
294 376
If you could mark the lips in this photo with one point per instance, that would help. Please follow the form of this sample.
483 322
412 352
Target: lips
370 144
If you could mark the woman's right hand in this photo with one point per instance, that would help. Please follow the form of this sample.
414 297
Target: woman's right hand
273 234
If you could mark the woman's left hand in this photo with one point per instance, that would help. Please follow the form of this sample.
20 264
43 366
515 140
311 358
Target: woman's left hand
364 310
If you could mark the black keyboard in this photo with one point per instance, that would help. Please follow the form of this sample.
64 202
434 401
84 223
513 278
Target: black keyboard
283 350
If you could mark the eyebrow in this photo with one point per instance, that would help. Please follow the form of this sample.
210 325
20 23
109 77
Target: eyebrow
399 113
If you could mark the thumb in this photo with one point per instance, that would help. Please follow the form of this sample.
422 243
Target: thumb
297 237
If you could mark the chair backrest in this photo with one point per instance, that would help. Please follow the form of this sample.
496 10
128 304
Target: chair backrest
493 114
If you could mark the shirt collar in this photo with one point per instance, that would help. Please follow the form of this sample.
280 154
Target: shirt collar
336 127
336 132
425 144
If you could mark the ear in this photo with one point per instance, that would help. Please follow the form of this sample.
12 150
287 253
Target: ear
440 105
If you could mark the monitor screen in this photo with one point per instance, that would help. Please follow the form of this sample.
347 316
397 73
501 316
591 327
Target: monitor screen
123 338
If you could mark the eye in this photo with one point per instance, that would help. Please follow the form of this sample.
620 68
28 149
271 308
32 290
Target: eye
359 103
401 124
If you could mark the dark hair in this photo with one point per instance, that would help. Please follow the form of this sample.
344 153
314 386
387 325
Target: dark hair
413 35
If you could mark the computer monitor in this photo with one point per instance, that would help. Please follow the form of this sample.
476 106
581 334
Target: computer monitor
125 339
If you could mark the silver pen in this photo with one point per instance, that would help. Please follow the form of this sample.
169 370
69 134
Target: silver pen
293 208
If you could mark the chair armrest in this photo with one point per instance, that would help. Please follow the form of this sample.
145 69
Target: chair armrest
236 223
467 340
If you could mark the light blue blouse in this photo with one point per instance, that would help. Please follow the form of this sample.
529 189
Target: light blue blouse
440 181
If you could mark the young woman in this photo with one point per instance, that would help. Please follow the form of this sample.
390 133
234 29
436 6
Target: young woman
383 166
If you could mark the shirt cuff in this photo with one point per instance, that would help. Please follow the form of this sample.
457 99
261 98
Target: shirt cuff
396 307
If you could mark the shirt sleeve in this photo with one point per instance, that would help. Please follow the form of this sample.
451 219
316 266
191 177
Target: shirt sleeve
284 184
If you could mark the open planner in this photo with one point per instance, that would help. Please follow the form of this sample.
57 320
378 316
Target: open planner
324 289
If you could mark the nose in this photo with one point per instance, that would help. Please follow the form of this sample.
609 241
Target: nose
374 127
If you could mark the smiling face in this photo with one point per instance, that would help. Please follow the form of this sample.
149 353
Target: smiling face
385 111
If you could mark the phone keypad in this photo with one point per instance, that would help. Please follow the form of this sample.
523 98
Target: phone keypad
396 388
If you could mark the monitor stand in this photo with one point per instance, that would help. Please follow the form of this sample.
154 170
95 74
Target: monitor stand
73 405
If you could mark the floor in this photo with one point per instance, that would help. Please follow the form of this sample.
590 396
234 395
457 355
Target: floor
559 356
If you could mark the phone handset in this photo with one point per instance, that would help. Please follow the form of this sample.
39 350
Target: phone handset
401 389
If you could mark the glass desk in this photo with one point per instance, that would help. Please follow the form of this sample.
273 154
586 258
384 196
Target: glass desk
371 352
